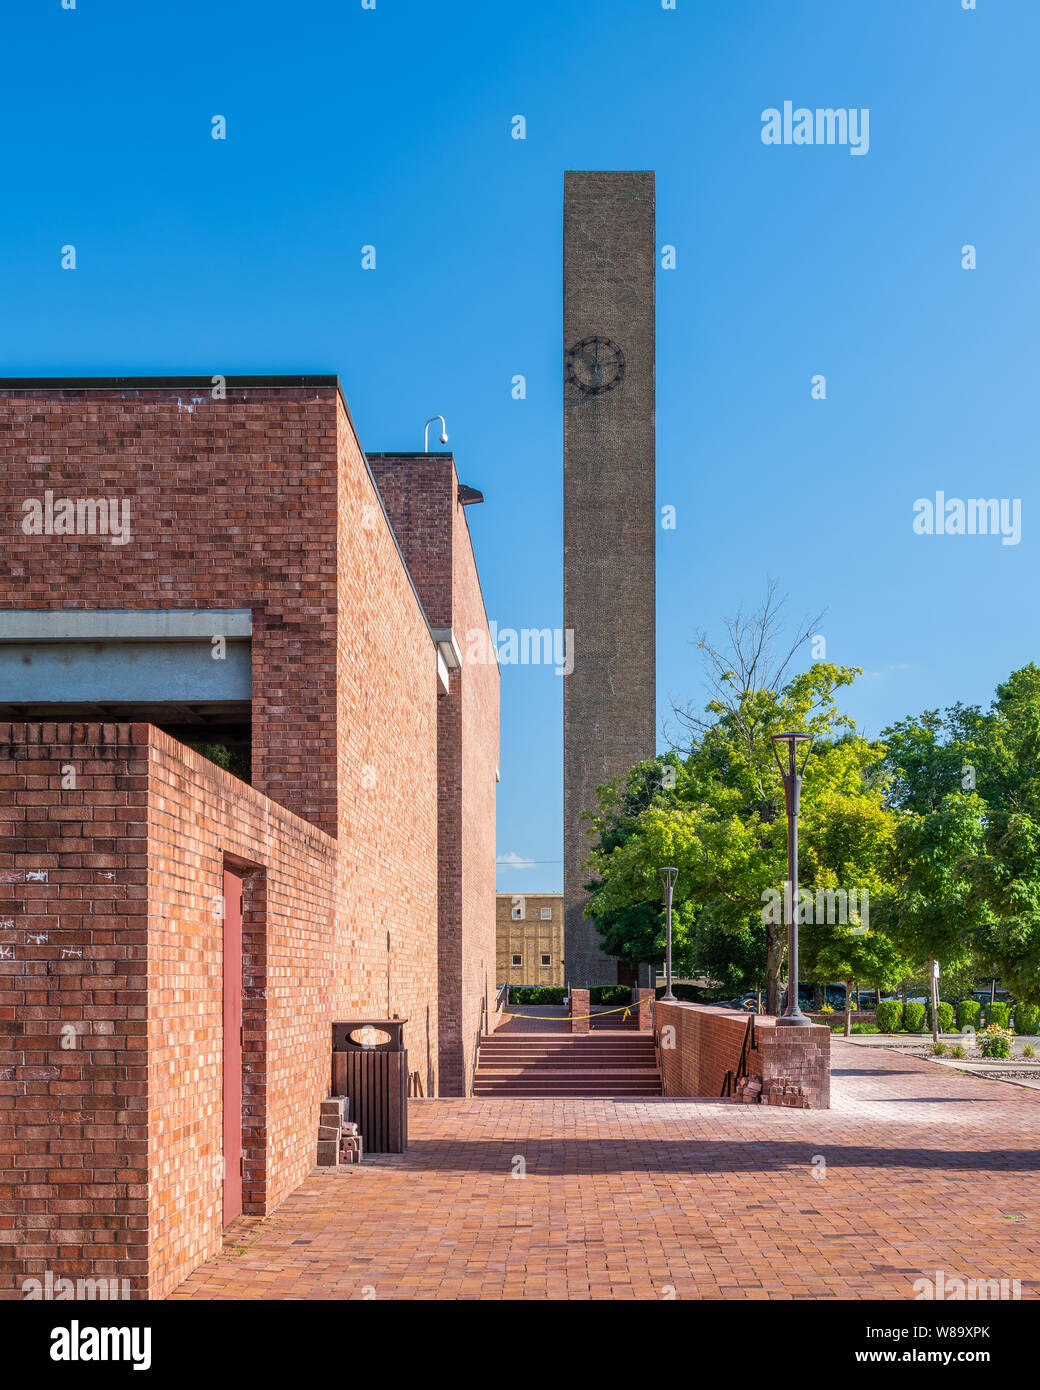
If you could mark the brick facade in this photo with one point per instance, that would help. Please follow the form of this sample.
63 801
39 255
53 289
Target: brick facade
420 493
112 992
530 936
261 501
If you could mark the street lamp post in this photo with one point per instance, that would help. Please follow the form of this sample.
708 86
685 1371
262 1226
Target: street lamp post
792 776
668 876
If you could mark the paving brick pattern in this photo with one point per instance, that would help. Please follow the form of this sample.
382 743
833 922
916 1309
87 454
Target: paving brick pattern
925 1170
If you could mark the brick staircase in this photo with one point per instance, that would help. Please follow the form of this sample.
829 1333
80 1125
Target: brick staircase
604 1063
615 1020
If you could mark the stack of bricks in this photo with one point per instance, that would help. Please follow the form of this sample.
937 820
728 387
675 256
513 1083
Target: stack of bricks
339 1139
783 1091
749 1090
330 1132
350 1149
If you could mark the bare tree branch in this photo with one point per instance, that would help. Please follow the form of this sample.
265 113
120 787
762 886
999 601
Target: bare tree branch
752 659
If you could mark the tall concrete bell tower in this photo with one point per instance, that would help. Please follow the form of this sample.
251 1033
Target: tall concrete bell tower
609 511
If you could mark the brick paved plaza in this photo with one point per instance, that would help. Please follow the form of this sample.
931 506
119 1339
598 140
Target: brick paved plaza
926 1170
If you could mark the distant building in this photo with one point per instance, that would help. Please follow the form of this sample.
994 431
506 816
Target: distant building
529 939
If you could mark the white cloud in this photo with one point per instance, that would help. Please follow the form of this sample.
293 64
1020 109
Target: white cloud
512 860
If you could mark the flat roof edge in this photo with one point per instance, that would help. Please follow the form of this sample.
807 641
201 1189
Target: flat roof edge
157 383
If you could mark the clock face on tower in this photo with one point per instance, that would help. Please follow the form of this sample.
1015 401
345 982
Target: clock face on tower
595 365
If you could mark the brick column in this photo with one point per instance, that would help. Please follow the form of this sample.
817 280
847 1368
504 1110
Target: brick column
579 1011
641 998
797 1060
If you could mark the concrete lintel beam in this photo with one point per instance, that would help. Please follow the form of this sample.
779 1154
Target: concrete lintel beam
125 624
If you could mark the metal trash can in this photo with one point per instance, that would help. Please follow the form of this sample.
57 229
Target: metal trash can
370 1065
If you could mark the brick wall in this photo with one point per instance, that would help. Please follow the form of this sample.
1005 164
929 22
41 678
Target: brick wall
477 684
264 501
420 493
372 808
387 756
232 505
73 1007
706 1043
113 884
198 817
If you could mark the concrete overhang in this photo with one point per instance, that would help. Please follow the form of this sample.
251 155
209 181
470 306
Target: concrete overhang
447 647
125 624
115 655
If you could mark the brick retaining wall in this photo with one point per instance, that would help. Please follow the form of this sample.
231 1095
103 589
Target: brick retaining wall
706 1043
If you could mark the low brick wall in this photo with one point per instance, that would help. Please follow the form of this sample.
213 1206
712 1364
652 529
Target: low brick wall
705 1043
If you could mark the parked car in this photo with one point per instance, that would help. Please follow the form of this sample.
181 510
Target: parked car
804 1000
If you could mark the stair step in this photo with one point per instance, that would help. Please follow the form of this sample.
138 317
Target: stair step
641 1088
624 1073
567 1052
613 1046
564 1092
614 1060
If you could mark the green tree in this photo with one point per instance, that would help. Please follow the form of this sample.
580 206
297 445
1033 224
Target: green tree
634 930
1006 874
722 822
847 952
934 915
992 885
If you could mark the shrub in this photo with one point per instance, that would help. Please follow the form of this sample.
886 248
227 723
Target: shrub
945 1016
865 1028
237 761
612 994
939 1049
997 1014
1027 1018
889 1016
968 1014
536 994
957 1050
1029 1050
826 1009
913 1017
995 1041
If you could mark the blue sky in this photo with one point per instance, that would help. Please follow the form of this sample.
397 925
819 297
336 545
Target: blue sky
391 127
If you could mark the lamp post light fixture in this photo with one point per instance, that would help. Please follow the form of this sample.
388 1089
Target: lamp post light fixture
792 776
668 875
426 432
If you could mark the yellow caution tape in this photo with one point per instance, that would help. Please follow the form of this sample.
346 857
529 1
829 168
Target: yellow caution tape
573 1018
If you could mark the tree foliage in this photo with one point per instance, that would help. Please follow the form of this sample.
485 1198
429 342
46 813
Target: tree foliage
938 822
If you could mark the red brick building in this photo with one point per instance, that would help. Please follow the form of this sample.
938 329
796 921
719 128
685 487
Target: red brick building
191 562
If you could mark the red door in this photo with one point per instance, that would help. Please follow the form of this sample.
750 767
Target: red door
232 1045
